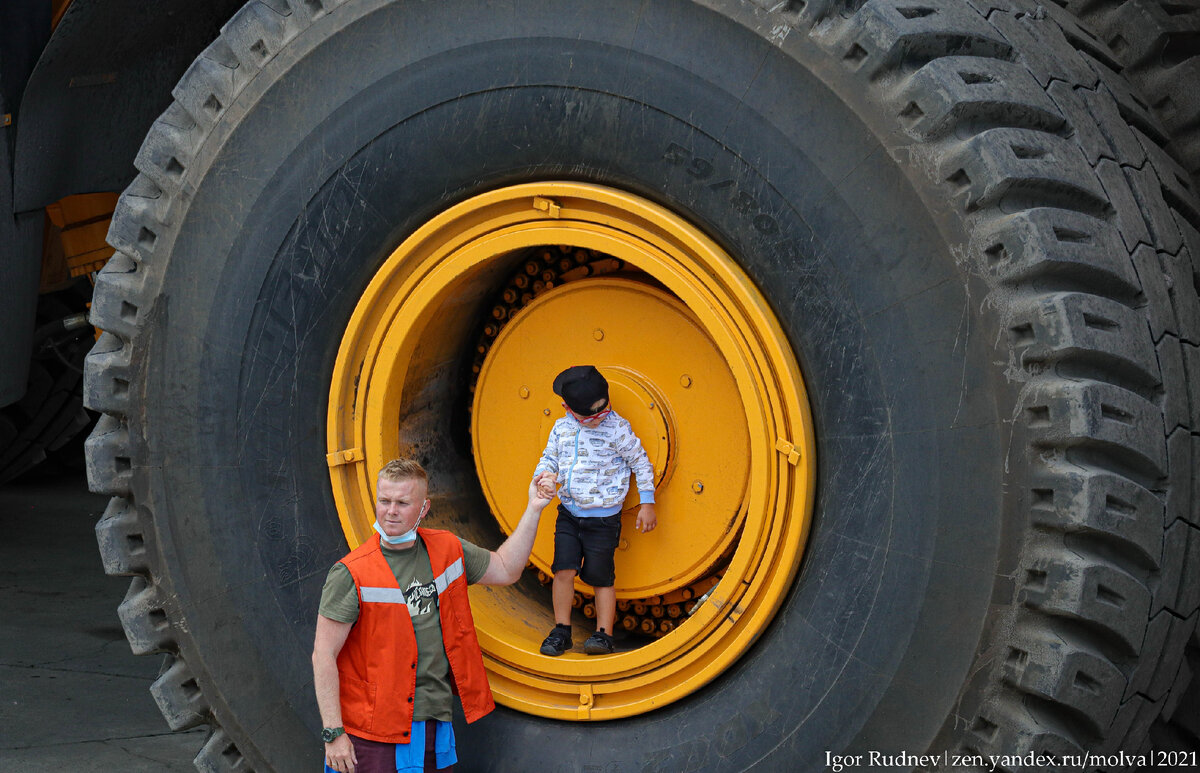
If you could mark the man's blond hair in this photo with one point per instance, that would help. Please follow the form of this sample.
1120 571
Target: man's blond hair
399 470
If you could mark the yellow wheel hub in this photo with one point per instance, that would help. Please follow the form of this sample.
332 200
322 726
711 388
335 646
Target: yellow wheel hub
666 377
695 360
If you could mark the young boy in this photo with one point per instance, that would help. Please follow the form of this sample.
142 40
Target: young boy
589 455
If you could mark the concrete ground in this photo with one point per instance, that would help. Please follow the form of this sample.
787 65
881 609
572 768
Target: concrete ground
72 695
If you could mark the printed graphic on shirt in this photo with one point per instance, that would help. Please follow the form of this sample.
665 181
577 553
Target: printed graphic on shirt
421 598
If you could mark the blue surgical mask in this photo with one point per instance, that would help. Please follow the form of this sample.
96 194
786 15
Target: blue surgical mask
407 536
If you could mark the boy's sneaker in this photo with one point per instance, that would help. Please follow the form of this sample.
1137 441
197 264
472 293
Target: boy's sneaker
558 642
599 643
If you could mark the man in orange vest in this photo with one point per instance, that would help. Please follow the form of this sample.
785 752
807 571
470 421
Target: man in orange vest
395 637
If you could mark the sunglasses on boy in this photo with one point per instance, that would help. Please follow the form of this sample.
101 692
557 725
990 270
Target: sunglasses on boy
600 414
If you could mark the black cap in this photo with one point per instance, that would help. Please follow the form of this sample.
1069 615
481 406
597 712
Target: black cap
581 387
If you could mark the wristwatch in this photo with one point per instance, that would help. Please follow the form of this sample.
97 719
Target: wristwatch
328 734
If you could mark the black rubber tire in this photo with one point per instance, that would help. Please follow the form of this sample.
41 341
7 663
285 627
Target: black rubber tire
986 273
1156 45
49 421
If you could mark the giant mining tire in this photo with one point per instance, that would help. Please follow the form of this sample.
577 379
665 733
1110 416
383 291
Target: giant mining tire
983 272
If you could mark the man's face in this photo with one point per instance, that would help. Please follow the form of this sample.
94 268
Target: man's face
399 505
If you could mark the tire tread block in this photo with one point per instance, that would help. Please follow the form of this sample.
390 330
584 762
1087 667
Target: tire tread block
122 545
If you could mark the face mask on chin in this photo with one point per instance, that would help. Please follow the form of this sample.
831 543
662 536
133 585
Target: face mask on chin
407 536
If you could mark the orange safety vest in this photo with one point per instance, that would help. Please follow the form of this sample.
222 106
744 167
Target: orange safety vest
377 666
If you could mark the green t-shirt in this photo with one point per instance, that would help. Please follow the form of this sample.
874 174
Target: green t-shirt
414 573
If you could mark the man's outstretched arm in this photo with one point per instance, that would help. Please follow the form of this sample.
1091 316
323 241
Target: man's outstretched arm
508 561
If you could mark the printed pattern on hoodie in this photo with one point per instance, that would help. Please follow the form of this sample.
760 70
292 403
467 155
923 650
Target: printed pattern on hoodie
593 463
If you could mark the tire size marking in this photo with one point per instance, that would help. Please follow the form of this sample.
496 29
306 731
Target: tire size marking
702 170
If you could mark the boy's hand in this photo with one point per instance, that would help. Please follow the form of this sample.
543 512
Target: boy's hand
646 518
539 493
545 482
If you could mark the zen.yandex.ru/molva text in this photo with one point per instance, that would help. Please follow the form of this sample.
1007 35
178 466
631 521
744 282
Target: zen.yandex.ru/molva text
1030 760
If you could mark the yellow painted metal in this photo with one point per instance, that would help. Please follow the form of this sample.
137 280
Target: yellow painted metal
643 340
80 227
396 337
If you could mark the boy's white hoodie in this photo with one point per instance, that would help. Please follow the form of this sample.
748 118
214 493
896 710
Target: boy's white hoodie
593 465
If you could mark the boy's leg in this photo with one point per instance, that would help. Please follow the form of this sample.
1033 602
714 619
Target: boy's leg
568 556
606 608
563 593
599 538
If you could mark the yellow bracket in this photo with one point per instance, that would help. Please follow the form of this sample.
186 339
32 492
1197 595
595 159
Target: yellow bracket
789 450
586 699
549 206
349 456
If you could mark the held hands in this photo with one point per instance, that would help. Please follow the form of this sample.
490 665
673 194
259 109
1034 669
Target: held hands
339 754
646 518
541 489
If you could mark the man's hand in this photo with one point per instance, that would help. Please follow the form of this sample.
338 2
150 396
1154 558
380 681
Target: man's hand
646 518
545 482
339 754
542 488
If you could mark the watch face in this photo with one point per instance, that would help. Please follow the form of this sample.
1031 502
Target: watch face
328 734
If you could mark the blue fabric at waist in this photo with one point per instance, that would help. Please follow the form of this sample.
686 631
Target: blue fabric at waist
593 512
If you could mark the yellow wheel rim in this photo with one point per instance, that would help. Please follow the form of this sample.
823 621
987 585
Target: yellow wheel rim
687 343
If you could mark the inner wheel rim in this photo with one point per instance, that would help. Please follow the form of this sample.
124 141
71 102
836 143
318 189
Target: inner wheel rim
661 367
384 361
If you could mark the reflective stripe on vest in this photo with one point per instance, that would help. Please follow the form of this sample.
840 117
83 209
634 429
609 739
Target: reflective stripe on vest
383 596
452 573
396 596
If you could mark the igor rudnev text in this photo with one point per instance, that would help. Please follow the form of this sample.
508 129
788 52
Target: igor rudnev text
992 762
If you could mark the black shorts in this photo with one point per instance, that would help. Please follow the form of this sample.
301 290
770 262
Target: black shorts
587 545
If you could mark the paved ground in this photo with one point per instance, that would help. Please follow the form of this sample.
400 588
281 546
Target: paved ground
72 695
